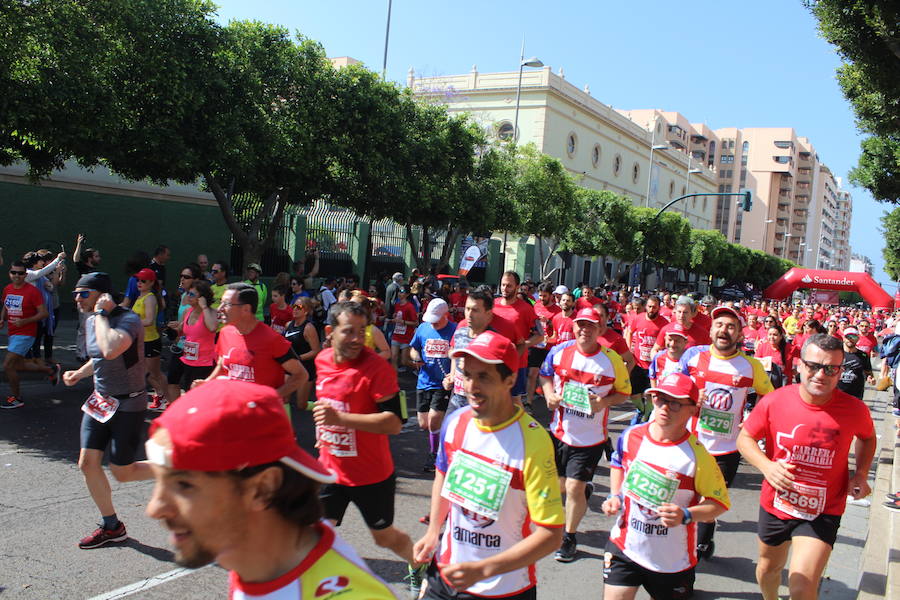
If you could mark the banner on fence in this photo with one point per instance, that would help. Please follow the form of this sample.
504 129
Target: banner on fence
474 250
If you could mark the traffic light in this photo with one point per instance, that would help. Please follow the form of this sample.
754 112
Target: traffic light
747 200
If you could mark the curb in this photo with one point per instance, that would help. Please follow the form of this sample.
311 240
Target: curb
880 566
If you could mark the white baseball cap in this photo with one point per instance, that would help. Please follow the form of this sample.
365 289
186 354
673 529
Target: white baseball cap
437 308
561 289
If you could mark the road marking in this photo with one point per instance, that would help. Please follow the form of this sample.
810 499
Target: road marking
624 417
146 584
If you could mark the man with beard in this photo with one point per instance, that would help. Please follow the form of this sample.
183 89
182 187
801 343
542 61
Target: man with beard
525 322
496 531
233 486
683 313
725 376
807 428
856 370
642 331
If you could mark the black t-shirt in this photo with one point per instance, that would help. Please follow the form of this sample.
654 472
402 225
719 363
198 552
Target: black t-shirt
83 268
160 271
853 376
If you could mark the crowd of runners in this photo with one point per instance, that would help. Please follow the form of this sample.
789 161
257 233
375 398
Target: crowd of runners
224 359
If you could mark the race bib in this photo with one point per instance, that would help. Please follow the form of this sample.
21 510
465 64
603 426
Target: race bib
191 350
400 328
13 305
645 346
337 439
436 348
717 422
475 484
803 502
279 329
575 397
99 407
647 486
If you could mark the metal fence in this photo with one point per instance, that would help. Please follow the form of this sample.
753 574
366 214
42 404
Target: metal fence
387 244
278 257
330 229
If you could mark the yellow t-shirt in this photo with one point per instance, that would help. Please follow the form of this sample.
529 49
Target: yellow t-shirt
151 333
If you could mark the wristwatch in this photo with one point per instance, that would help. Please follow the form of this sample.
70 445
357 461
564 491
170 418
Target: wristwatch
102 312
687 516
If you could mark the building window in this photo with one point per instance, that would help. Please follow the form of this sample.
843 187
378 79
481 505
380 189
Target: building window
635 173
704 204
683 190
727 159
505 131
595 155
671 189
617 165
571 144
711 159
784 145
694 202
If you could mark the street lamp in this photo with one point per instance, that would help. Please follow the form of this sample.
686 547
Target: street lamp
653 146
531 62
784 248
687 180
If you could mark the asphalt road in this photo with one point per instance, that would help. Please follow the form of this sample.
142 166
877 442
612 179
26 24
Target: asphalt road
45 509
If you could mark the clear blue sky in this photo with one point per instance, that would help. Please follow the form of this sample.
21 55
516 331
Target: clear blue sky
728 64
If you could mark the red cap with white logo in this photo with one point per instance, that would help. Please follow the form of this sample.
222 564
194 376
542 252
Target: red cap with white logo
587 314
227 425
677 329
677 385
492 348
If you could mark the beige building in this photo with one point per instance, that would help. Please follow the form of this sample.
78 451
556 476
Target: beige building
605 149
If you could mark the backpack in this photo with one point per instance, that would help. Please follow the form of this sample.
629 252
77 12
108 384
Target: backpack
890 349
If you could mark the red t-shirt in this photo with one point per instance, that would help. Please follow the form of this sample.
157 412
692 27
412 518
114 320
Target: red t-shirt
587 302
280 317
562 328
523 318
752 337
703 321
545 314
357 457
697 335
867 343
256 357
458 306
765 349
666 311
815 438
21 303
644 332
614 341
403 332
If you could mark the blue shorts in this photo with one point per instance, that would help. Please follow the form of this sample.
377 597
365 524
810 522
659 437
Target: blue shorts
20 344
521 382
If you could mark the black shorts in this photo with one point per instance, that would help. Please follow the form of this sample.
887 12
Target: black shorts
375 501
436 400
773 531
521 382
728 464
620 570
439 590
125 430
577 462
640 380
153 349
184 375
536 357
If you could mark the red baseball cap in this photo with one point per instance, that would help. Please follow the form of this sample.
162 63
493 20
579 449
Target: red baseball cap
677 385
678 329
145 274
226 425
721 310
492 348
587 314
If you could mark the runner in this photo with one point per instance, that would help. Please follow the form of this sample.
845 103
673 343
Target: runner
249 350
405 318
479 318
304 339
279 312
669 360
429 350
146 306
511 514
683 313
776 350
611 339
357 408
581 380
867 342
856 370
807 430
545 309
197 328
23 309
114 412
659 474
754 333
642 331
725 377
525 322
262 292
219 273
561 322
587 298
229 441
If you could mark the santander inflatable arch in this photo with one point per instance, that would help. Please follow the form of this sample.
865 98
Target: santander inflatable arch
842 281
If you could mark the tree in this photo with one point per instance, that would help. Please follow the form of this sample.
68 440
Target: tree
890 228
866 34
607 227
708 252
545 202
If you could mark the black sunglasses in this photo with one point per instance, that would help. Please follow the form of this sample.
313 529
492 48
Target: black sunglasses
144 281
17 272
188 276
830 370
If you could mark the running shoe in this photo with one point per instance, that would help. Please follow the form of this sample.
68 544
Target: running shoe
55 375
705 551
11 402
157 403
426 520
415 578
892 505
103 536
567 551
894 496
428 467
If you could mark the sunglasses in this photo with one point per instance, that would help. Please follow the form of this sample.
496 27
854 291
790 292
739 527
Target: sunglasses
673 405
17 272
81 294
215 270
144 281
830 370
191 294
187 276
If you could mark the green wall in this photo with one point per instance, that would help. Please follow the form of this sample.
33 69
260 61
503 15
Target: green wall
34 216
